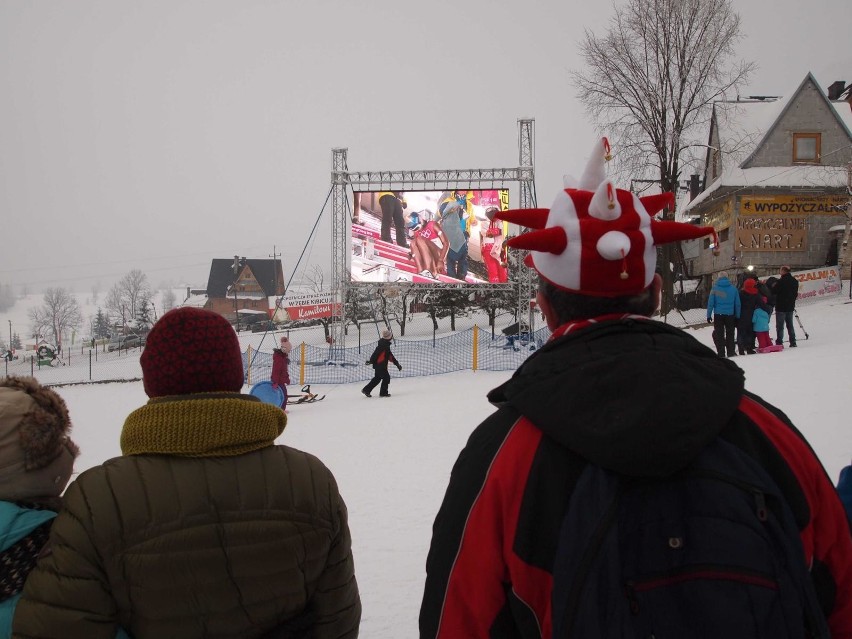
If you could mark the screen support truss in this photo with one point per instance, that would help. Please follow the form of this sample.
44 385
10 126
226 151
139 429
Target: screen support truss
450 179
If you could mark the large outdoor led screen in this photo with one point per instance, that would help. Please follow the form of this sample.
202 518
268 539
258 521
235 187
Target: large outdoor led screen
427 237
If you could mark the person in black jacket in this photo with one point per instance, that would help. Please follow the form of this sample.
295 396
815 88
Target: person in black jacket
786 291
750 299
615 389
380 359
765 289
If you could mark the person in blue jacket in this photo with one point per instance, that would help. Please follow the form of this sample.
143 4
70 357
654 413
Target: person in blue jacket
723 310
36 460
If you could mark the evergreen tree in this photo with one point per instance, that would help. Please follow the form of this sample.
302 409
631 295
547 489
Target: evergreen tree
144 315
101 324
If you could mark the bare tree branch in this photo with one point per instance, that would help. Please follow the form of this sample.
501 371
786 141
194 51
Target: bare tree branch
58 314
650 81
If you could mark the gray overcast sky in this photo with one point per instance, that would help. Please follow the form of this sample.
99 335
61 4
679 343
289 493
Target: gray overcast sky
158 134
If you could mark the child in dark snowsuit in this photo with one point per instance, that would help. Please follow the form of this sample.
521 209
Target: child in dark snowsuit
380 359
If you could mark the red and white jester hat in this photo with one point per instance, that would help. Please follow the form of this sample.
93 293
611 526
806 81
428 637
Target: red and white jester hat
596 239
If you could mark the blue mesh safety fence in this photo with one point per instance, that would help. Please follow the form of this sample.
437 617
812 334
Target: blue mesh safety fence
418 357
420 350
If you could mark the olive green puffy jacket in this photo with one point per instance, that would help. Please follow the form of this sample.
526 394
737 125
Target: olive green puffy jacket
253 545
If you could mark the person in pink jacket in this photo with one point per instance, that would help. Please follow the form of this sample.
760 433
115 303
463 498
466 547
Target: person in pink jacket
281 366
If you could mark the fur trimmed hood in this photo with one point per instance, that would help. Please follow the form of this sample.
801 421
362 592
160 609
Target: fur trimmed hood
36 454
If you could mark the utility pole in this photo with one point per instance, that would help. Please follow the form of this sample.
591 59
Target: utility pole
236 268
275 257
844 246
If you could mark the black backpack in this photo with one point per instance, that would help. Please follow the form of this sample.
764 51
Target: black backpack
711 552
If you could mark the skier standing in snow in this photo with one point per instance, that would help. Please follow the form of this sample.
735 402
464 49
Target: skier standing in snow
380 359
203 527
280 377
616 395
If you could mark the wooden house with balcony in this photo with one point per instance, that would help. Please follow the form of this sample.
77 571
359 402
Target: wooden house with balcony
245 287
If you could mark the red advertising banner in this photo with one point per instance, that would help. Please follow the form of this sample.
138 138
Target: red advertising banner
310 306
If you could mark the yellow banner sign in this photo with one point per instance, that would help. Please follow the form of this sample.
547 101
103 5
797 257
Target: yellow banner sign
720 217
762 233
791 204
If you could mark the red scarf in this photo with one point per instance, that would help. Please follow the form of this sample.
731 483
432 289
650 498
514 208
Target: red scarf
570 327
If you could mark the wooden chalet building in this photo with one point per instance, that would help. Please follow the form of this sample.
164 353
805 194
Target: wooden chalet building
775 182
251 292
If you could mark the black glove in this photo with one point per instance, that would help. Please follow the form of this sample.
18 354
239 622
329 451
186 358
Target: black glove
399 366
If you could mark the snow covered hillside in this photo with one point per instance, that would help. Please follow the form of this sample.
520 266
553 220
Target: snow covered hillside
392 457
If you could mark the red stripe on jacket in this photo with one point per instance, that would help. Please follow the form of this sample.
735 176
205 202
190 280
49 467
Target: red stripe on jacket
485 561
826 536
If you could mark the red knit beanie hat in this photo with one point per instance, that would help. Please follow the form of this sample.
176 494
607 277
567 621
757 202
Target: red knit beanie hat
191 350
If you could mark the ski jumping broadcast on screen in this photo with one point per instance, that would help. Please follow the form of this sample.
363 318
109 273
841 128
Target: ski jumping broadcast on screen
429 237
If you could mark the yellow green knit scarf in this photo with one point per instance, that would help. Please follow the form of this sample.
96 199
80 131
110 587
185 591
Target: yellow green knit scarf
202 425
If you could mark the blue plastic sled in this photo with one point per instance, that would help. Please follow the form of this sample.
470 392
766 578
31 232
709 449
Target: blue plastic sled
266 393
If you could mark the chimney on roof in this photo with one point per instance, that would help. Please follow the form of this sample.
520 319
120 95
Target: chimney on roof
694 186
846 95
836 89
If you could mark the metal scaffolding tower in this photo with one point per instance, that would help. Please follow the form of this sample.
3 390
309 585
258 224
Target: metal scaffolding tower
446 179
526 135
339 272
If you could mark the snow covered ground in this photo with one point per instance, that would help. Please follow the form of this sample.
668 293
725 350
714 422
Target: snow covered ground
392 457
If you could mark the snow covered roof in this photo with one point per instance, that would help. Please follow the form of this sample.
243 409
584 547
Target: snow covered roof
743 125
196 301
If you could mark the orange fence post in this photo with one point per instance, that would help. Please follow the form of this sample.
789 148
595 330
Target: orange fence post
475 346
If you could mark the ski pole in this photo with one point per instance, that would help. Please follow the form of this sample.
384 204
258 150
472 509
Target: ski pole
796 313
